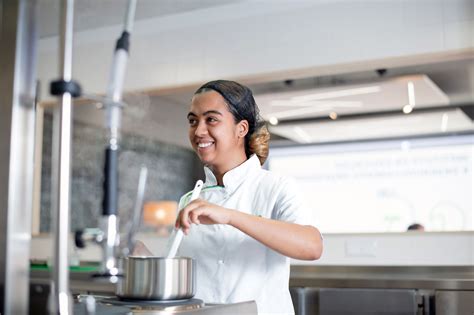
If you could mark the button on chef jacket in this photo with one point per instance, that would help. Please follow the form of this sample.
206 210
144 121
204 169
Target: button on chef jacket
231 266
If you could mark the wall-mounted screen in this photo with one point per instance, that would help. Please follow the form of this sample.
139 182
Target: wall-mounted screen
384 186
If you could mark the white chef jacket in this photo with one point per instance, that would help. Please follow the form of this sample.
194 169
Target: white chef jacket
232 266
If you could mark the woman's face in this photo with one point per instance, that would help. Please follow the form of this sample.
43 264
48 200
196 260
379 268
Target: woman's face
213 132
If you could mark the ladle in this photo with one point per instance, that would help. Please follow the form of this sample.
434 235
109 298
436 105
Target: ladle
176 238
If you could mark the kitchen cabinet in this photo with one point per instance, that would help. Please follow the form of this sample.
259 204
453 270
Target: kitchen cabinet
420 290
448 302
341 301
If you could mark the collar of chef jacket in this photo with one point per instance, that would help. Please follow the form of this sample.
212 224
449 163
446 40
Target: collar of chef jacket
233 178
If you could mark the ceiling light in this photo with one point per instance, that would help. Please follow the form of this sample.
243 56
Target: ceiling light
302 135
333 115
313 108
334 94
273 121
287 103
407 109
444 122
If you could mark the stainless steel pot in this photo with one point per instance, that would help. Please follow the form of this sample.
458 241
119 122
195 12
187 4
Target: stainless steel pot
157 278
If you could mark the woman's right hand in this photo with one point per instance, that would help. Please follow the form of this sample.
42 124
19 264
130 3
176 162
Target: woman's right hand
202 212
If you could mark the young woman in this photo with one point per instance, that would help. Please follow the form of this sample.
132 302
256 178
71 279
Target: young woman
247 222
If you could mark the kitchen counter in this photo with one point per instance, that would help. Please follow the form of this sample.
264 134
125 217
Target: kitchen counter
306 281
440 278
81 283
406 277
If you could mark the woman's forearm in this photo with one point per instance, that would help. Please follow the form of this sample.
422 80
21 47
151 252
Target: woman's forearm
289 239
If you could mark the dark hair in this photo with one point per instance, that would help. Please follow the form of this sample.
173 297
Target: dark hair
415 227
242 105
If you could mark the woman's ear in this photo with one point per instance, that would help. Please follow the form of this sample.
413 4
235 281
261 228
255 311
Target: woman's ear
243 128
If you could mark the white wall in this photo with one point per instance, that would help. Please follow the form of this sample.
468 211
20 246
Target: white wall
371 249
257 39
398 249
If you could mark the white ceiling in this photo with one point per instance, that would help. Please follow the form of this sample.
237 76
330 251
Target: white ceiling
91 14
163 117
160 116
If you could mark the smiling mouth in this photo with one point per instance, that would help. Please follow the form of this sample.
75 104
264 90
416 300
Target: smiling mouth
203 145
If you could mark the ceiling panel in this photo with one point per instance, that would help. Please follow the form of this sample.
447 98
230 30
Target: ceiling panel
391 94
414 124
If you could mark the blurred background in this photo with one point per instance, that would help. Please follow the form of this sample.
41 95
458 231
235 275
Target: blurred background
370 104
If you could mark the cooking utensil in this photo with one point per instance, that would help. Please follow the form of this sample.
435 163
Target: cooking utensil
176 238
157 278
134 225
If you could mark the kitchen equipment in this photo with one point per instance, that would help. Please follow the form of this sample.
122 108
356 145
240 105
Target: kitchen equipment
176 238
109 220
107 305
156 305
157 278
160 278
134 224
65 89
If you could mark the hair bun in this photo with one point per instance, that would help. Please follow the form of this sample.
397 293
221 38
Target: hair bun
259 142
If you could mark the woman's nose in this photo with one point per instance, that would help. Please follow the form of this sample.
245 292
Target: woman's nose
201 129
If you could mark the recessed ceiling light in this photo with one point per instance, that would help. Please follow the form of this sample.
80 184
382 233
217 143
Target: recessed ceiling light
303 136
444 122
273 121
407 109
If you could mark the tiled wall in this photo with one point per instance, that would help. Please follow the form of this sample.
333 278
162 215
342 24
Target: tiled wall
172 171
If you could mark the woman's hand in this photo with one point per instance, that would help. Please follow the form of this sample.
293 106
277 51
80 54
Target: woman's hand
202 212
289 239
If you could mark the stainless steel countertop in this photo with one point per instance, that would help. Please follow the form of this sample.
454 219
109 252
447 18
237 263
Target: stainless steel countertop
83 283
80 282
405 277
441 278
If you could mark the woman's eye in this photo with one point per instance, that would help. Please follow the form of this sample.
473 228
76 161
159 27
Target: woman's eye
192 122
211 119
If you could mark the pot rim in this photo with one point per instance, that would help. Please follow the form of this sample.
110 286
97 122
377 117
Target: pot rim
156 258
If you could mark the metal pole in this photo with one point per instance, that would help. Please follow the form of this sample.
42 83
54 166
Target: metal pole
18 42
61 299
113 117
